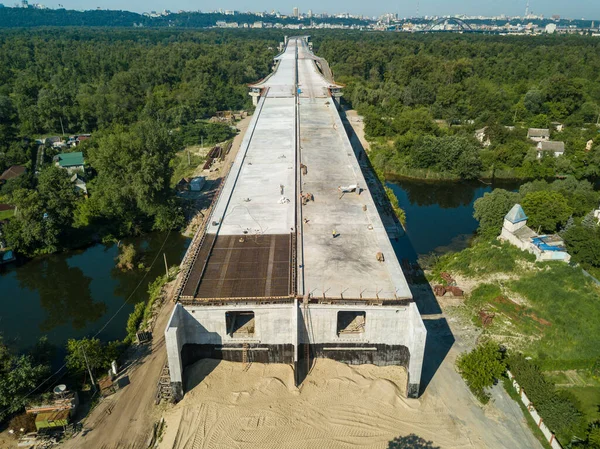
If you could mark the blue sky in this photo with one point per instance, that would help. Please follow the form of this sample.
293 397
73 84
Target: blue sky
590 9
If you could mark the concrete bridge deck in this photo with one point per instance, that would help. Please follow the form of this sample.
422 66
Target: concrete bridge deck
295 262
296 125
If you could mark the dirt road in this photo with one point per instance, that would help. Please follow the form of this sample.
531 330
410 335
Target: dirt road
125 419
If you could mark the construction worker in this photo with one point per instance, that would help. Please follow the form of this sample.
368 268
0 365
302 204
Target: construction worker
334 233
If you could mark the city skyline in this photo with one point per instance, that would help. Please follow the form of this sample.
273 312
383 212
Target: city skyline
574 10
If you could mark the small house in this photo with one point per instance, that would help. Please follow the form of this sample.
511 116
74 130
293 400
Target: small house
538 134
53 141
79 183
589 145
57 419
556 149
482 137
72 162
558 126
544 247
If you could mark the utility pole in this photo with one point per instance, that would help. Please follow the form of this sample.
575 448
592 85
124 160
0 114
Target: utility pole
88 367
62 127
189 159
166 266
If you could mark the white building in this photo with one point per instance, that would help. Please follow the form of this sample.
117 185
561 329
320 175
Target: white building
544 247
556 149
538 134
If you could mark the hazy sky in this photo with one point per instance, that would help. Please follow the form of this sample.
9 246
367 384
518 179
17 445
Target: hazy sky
590 9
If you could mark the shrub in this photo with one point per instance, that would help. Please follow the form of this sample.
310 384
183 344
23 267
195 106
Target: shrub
559 409
481 368
126 258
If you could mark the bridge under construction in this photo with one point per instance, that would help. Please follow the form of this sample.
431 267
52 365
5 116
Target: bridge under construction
295 261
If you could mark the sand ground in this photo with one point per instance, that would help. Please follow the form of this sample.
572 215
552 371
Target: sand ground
338 406
342 407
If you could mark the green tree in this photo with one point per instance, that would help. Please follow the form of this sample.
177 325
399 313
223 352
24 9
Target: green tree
43 215
481 368
583 243
19 375
490 210
546 210
134 172
99 356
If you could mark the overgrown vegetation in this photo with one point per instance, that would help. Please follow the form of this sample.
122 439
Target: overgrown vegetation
143 310
424 96
126 257
559 409
19 374
92 353
143 96
484 258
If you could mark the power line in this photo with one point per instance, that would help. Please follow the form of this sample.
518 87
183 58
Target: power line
40 385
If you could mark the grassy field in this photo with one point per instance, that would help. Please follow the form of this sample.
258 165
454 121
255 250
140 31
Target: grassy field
589 397
547 310
570 302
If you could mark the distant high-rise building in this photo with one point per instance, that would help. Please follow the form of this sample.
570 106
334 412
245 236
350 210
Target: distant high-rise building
527 9
310 14
295 12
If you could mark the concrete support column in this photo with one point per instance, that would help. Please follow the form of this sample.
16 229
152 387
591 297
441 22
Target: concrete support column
255 96
417 352
174 343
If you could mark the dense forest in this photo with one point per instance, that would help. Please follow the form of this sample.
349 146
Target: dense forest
25 18
423 97
141 95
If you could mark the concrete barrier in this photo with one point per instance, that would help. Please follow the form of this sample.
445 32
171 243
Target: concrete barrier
534 414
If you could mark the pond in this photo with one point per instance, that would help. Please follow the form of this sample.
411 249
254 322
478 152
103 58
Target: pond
76 294
439 215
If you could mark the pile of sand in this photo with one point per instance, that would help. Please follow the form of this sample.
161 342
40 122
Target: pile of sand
338 406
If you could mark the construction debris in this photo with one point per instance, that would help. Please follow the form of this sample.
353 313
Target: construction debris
441 290
486 318
306 197
350 188
449 279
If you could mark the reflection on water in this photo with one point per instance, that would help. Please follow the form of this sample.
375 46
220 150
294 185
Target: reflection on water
439 215
64 293
73 295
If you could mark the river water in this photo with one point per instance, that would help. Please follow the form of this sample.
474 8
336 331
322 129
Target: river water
75 294
72 295
439 215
